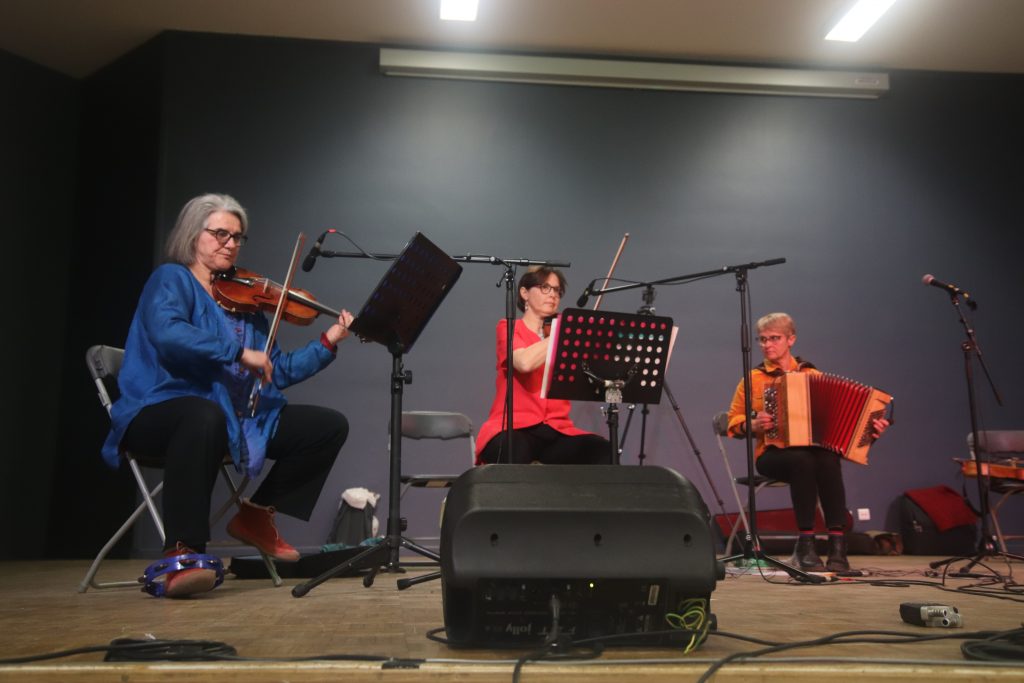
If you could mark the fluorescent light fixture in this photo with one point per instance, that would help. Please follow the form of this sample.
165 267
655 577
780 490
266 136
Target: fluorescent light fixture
458 10
858 20
479 66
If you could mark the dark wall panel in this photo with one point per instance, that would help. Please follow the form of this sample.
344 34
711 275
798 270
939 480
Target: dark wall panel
111 257
38 136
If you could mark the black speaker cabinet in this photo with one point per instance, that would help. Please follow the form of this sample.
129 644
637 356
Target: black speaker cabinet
619 547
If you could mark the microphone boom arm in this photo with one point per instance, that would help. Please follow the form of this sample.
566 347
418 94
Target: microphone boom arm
680 279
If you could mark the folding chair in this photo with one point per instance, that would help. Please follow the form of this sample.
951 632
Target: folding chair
1007 447
104 364
425 424
443 426
720 423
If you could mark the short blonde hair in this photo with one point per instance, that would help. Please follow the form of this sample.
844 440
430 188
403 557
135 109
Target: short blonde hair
777 321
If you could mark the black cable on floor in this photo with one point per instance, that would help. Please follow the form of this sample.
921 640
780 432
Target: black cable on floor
1000 647
847 637
125 649
133 650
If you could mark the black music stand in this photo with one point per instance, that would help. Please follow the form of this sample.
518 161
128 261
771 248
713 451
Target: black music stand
609 357
394 315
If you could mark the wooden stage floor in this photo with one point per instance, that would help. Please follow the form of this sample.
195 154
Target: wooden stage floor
41 612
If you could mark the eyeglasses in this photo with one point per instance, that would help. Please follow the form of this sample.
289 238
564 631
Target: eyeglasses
772 339
223 236
547 289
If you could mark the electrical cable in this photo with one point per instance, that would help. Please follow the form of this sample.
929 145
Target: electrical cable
993 648
131 650
126 649
848 637
1010 590
1000 647
360 249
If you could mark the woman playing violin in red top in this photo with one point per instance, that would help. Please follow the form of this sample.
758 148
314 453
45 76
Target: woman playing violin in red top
188 368
541 428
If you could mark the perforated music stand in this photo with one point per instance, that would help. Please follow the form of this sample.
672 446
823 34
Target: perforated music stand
394 315
609 357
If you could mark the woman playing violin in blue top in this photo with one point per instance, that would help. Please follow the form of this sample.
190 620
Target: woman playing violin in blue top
184 387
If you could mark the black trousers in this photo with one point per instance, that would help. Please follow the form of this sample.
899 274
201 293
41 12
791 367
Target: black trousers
813 474
188 438
543 444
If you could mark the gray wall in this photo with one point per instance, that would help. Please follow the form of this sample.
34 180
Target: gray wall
861 197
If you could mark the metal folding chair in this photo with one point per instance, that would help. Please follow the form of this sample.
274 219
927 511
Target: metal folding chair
104 364
1006 450
425 424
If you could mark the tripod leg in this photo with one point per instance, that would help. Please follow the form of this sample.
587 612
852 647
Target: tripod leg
368 579
416 548
358 562
754 552
408 583
429 554
693 445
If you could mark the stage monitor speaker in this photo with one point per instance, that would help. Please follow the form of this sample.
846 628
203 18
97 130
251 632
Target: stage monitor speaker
619 547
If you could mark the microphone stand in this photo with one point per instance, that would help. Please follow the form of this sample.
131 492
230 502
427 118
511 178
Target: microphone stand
987 543
508 278
648 309
752 548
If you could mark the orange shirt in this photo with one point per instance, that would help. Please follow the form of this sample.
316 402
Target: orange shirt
760 376
528 408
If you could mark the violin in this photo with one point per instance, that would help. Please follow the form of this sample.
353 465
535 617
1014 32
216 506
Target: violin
243 291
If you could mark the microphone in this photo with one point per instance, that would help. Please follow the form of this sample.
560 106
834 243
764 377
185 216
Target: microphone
585 296
310 261
952 289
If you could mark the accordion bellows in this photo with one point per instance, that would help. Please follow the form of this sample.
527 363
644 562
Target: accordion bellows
824 410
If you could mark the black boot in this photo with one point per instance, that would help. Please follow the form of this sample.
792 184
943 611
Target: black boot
804 556
837 561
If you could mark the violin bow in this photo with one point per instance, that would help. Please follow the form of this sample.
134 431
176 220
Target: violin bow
615 262
275 323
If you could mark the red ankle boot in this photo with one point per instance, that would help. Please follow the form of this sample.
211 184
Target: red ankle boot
187 582
254 525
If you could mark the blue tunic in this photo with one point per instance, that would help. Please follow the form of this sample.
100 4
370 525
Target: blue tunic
179 344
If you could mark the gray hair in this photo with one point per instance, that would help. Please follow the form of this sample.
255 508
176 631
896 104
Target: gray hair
181 243
777 321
